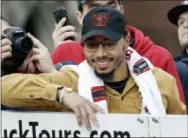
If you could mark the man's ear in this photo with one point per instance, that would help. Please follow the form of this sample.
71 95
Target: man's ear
79 17
128 37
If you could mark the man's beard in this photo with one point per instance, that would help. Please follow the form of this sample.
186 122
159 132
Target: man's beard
105 76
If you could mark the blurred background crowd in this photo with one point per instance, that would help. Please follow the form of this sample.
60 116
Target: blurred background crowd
149 16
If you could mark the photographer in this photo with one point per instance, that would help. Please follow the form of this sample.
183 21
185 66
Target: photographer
36 59
21 52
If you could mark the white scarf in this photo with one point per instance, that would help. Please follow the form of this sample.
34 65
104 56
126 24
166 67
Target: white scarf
140 69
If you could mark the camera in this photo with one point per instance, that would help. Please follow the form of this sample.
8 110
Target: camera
21 46
59 14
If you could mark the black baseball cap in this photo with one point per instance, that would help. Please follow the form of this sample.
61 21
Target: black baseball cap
104 21
175 12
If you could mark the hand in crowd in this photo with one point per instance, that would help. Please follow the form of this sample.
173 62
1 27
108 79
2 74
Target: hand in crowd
83 108
6 49
38 58
62 32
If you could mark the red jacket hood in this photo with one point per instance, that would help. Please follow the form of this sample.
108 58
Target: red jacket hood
141 42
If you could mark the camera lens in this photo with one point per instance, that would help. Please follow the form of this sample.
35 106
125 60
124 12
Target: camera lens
25 43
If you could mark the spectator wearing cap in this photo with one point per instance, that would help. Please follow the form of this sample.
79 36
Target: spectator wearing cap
159 56
179 17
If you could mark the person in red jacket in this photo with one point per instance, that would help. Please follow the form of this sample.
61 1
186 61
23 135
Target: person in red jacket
73 51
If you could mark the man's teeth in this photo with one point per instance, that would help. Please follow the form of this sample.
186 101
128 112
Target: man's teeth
102 63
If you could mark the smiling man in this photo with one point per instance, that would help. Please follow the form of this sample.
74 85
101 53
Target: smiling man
124 73
137 40
104 64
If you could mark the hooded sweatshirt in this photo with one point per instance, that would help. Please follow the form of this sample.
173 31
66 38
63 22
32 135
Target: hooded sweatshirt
160 57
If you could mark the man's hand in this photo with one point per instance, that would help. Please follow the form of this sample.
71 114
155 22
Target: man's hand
6 49
62 32
41 56
83 109
38 57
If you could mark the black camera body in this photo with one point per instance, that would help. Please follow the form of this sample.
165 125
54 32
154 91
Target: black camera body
21 46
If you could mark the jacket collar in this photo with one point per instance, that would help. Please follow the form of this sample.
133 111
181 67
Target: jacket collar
181 56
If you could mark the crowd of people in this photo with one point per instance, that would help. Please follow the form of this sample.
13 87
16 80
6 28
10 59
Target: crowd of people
112 68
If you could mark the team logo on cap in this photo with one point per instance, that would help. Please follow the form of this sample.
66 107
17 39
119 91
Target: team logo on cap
100 20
